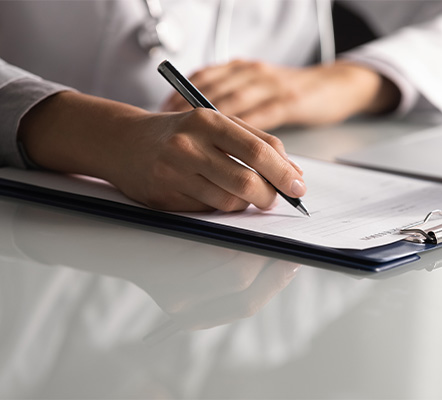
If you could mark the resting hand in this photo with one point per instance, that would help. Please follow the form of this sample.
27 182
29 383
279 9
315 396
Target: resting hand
267 96
176 161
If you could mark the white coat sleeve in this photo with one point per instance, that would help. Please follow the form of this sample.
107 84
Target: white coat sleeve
408 51
19 92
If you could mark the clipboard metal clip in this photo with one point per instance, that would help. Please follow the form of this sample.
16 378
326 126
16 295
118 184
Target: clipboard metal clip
427 231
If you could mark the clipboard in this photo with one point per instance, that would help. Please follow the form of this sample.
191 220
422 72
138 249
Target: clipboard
427 231
419 238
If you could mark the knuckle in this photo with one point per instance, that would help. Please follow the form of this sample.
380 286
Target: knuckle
275 142
286 176
202 115
246 183
180 143
230 203
259 151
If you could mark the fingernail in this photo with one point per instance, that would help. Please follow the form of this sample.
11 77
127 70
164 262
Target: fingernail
298 188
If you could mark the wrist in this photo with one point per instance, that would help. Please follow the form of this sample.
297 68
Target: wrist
374 93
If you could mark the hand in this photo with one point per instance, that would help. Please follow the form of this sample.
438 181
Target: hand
176 161
267 96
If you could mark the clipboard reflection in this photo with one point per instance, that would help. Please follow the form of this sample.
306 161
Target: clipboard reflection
320 308
197 285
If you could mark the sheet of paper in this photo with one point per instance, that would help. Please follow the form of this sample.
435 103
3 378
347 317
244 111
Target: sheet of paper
351 208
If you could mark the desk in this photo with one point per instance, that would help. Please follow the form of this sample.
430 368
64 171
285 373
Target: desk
79 293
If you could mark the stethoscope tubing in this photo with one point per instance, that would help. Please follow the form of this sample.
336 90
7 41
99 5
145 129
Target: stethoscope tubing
149 37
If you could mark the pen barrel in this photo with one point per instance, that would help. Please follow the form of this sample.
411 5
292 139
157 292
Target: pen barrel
195 98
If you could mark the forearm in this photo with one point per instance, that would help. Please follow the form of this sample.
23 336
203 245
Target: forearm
407 51
19 92
325 94
76 133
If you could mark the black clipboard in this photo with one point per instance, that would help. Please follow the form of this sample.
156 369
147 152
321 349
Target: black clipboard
374 259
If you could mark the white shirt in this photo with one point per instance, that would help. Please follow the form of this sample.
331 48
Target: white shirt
92 46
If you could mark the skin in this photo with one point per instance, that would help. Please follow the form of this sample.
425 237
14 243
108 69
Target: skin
170 161
178 159
268 96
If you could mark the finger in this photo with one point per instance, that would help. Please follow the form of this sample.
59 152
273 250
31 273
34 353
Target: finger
212 81
197 194
175 201
195 167
217 73
296 166
213 194
239 182
222 89
244 97
198 154
267 115
272 140
256 153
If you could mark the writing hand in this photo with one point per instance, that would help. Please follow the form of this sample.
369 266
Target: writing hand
169 161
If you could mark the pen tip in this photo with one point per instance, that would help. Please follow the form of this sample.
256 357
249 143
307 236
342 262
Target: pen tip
304 210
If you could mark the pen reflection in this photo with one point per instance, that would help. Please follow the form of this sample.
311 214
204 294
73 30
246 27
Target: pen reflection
76 332
198 285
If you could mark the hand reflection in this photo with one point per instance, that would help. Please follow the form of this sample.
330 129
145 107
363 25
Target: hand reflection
198 285
235 289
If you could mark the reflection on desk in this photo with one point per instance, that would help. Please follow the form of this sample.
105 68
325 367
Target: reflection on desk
59 270
198 285
78 294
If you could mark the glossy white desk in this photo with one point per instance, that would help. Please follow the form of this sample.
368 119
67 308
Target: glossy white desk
78 294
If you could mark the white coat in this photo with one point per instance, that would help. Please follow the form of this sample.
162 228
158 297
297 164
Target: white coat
92 46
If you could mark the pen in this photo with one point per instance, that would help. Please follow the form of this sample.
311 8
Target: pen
196 99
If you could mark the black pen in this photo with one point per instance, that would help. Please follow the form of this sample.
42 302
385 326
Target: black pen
196 99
